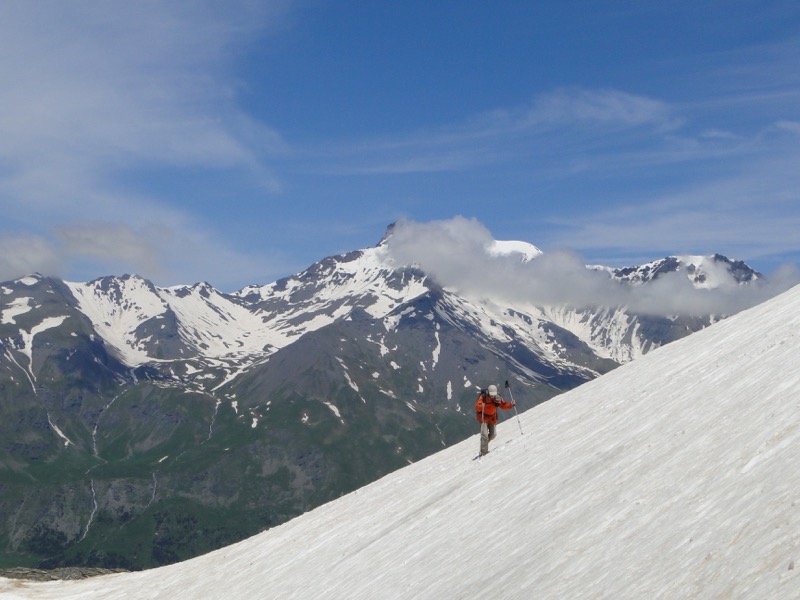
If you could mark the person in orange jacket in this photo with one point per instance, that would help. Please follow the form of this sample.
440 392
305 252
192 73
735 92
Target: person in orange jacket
486 412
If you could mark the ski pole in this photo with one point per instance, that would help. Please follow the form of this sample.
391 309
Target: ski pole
483 423
510 395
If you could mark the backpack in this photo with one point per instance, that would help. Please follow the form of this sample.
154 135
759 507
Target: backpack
482 398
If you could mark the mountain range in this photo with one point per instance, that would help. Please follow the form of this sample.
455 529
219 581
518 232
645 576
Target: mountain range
144 425
673 476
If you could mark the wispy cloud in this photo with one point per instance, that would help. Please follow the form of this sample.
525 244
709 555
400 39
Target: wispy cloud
600 108
166 254
789 126
723 180
118 114
95 94
114 243
749 210
108 84
25 254
562 121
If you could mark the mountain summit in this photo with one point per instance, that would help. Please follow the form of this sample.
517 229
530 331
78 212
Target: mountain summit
671 477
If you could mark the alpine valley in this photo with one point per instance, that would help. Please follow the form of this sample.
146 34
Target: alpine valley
142 425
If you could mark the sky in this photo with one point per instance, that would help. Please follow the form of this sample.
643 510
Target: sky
686 487
238 142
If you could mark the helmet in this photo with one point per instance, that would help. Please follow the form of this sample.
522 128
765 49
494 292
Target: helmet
492 390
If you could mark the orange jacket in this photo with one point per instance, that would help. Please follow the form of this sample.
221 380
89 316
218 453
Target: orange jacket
486 408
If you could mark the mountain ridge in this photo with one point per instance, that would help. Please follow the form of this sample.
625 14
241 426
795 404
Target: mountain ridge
135 416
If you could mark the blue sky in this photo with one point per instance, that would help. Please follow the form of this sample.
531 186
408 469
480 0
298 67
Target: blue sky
237 142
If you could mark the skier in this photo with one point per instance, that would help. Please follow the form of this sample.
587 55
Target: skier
486 413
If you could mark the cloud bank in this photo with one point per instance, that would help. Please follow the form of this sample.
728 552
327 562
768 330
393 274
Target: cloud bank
457 255
103 103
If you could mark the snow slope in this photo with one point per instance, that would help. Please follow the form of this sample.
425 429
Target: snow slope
674 476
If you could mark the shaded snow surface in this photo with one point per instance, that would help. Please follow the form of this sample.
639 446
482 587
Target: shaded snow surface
675 476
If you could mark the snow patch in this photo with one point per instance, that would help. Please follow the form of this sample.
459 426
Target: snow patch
335 410
59 433
437 350
19 306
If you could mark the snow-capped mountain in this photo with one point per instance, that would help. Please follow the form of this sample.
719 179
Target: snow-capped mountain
205 327
704 271
672 477
136 416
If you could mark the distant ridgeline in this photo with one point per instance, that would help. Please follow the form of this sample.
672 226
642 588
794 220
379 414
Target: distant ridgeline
140 425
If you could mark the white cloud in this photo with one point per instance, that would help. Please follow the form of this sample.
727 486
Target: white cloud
456 254
26 254
115 244
607 107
